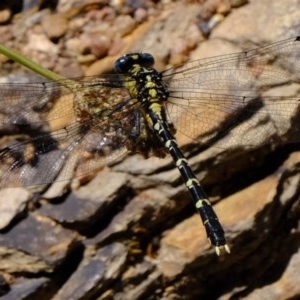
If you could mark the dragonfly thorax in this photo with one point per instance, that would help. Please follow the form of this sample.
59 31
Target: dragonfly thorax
144 82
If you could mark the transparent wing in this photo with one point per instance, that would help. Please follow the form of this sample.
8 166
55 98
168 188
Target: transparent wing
58 130
72 151
220 99
90 122
40 103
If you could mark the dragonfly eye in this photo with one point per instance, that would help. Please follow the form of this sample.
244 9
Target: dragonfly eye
146 60
127 61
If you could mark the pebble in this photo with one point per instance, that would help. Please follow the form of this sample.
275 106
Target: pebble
55 26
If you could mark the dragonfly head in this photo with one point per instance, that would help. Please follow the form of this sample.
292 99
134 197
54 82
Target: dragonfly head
126 62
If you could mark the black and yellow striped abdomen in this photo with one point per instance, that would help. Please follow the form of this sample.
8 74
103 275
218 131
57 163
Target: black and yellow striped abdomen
146 86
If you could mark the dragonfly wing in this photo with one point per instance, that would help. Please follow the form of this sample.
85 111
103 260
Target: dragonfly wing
63 127
211 97
73 151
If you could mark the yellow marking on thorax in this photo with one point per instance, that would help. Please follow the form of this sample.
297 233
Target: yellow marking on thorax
156 107
131 87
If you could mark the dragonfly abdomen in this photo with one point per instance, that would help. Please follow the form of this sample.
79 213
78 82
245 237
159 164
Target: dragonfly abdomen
145 84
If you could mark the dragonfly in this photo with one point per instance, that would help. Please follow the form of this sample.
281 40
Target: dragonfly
56 130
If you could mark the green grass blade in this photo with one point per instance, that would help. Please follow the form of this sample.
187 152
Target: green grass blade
19 58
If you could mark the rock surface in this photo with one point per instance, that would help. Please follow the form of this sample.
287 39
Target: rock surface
132 232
